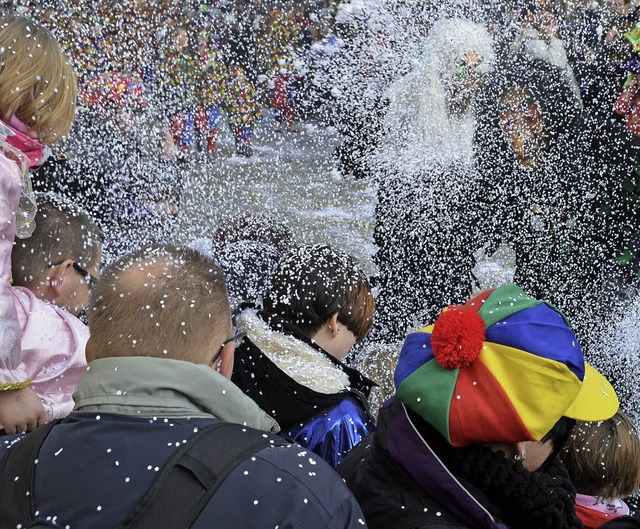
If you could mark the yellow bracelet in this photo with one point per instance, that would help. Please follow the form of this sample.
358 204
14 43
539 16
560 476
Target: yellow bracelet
15 385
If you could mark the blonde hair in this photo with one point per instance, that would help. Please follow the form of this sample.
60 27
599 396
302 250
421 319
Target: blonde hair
603 458
37 83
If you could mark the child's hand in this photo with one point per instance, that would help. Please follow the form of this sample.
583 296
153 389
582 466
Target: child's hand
21 410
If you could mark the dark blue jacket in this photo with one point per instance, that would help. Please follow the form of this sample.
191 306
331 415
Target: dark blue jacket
133 414
90 474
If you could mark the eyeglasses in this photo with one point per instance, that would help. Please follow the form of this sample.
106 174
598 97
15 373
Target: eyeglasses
89 278
236 339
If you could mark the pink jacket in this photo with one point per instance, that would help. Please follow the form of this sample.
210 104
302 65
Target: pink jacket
41 345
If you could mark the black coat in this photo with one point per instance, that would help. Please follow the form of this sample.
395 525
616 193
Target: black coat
407 476
563 215
426 231
286 400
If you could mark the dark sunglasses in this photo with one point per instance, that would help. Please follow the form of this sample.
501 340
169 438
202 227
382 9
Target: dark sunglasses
236 339
89 278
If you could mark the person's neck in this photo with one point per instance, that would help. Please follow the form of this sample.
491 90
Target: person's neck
326 338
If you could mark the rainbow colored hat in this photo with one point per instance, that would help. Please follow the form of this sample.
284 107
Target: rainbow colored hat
503 367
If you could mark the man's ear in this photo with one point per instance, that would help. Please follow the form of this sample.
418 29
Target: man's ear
510 449
225 361
56 277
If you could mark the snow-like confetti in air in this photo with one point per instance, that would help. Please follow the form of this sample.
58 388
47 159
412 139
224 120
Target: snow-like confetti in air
448 146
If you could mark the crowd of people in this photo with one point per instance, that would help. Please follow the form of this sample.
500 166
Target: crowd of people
212 386
194 63
157 83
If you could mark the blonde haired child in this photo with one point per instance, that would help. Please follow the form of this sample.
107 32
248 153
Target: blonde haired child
37 82
603 461
37 106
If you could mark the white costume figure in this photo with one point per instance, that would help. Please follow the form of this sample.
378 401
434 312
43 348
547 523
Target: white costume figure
430 118
425 227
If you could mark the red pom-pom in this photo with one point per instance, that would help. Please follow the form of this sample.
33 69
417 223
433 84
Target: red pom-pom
457 337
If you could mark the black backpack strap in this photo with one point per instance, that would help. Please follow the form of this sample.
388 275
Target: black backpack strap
16 477
195 472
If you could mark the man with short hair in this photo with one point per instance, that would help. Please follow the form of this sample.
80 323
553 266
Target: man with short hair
161 355
171 302
53 271
60 261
